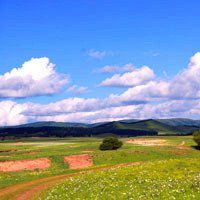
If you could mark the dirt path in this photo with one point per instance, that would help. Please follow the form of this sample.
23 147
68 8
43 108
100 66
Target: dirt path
148 142
29 190
182 146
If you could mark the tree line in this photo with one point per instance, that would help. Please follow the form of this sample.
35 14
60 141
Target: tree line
47 131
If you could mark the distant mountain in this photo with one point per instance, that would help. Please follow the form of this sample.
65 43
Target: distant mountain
180 122
51 124
132 127
129 120
150 124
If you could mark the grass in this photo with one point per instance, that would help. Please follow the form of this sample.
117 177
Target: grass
55 149
167 179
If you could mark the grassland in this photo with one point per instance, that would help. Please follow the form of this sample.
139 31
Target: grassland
167 179
158 162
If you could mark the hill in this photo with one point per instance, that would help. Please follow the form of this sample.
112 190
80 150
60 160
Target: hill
180 122
51 124
151 125
120 128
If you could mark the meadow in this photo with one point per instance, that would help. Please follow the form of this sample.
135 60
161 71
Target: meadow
168 171
166 179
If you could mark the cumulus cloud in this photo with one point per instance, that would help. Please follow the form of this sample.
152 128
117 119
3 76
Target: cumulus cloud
129 79
11 113
157 98
70 105
15 113
114 68
185 85
174 108
77 89
34 78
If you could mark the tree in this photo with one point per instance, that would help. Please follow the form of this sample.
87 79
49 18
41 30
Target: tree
196 137
110 143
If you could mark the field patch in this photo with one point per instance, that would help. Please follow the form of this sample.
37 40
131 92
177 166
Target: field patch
18 165
78 161
9 150
88 151
148 142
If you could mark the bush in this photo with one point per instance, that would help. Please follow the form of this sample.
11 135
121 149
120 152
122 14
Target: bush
196 136
110 143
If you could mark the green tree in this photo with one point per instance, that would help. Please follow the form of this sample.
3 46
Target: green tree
110 143
196 136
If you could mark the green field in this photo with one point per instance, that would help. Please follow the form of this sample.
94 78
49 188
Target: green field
167 179
164 172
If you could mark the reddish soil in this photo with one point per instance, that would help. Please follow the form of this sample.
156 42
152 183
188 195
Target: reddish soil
10 150
28 190
148 142
18 165
79 161
182 146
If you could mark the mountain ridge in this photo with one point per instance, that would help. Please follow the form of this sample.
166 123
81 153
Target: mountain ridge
167 121
123 128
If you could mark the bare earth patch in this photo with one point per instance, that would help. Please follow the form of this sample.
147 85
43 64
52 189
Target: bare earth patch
18 165
78 161
182 146
148 142
88 151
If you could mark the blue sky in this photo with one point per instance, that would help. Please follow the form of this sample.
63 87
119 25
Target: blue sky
81 37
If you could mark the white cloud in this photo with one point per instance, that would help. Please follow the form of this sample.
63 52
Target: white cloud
185 85
34 78
113 68
151 91
177 97
77 89
127 68
99 54
152 53
11 113
14 113
70 105
108 69
96 54
129 79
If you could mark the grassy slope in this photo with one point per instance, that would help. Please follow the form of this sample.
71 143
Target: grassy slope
180 122
146 125
52 124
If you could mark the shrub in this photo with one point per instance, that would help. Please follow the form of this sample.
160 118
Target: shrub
196 136
110 143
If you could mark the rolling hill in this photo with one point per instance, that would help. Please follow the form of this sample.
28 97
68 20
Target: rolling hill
151 124
180 122
121 128
51 124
